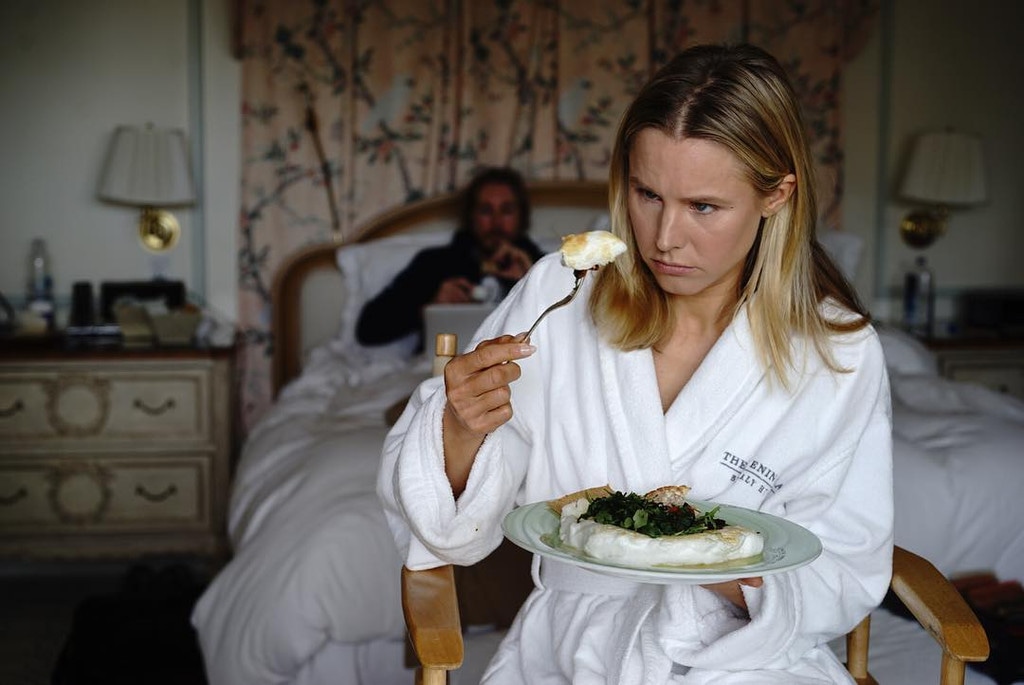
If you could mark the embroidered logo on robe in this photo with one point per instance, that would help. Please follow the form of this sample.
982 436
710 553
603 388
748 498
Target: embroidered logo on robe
755 474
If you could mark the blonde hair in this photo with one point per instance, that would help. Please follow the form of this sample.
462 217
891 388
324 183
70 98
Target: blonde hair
738 97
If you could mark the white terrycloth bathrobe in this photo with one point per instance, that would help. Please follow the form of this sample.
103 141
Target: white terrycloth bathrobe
585 415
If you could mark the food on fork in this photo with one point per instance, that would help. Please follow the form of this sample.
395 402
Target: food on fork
582 252
656 529
589 250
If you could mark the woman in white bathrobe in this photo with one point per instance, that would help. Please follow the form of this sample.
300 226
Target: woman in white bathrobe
723 350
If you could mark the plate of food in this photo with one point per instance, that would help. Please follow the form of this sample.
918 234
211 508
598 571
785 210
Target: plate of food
660 537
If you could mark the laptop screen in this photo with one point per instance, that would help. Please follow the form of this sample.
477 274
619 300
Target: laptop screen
460 319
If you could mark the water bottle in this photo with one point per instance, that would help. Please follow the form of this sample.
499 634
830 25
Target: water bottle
39 295
919 299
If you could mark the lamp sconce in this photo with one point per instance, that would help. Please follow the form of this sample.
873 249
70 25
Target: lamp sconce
158 229
921 228
149 168
945 169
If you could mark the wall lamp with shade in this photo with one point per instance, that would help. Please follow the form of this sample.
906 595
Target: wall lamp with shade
946 169
149 167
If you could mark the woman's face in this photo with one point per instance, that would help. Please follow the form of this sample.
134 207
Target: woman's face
694 213
495 216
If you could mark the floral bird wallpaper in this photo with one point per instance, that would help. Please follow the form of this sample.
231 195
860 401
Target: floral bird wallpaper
352 107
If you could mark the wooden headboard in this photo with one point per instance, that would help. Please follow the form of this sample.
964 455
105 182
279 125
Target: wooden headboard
309 278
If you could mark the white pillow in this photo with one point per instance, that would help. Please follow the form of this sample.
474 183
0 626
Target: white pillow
366 269
844 248
905 354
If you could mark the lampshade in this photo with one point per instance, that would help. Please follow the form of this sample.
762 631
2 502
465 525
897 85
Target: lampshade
945 168
147 167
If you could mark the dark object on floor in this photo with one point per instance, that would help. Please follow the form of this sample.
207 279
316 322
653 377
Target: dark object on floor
999 607
140 635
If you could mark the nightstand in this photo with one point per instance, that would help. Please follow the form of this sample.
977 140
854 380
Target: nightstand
995 362
114 453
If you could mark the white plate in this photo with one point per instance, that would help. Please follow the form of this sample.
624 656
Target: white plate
787 546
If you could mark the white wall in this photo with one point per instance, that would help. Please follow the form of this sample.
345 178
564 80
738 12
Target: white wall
862 103
221 170
941 63
70 72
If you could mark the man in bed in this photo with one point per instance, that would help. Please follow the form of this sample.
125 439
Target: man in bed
489 248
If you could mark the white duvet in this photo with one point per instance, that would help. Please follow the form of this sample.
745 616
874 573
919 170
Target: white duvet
314 563
959 475
311 594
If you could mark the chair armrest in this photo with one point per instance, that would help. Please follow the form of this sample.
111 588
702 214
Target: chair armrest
432 617
938 607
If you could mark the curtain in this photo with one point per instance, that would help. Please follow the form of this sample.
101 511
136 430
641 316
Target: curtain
351 107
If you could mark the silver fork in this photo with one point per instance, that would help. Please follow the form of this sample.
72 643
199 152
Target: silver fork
579 274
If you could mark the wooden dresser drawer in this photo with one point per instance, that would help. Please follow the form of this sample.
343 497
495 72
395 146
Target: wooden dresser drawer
91 495
113 453
67 404
1008 380
998 368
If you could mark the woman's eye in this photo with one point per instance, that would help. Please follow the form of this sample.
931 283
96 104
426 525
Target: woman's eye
702 207
648 195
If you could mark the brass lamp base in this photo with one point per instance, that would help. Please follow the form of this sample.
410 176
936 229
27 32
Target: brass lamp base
922 228
158 229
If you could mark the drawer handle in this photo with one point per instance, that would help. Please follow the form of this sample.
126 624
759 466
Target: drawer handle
156 497
9 500
155 411
12 410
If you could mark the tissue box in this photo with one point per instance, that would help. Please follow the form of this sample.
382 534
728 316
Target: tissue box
176 328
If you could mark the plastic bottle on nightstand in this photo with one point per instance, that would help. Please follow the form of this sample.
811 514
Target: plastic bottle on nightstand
39 295
919 300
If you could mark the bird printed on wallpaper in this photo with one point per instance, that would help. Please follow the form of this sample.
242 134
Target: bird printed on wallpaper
388 106
573 101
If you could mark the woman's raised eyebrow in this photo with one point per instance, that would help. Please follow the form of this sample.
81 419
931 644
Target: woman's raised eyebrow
636 182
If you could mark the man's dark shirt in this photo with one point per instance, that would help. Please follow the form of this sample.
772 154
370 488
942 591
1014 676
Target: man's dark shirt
398 309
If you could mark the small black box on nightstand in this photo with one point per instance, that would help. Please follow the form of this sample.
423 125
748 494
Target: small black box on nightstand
170 293
1000 312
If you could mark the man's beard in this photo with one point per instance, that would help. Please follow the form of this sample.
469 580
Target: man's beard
489 244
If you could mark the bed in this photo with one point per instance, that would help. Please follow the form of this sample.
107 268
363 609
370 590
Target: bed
311 593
